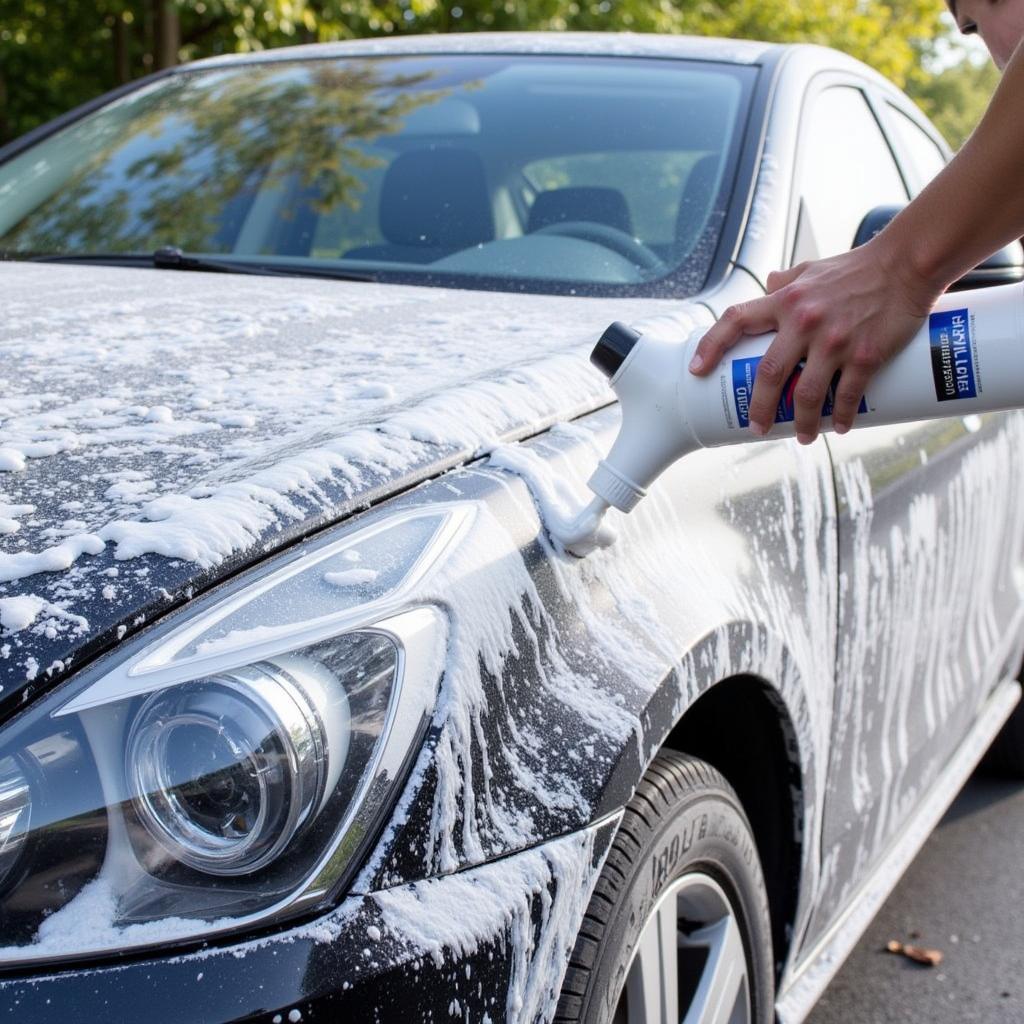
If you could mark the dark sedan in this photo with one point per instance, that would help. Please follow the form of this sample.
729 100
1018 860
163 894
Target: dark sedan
303 714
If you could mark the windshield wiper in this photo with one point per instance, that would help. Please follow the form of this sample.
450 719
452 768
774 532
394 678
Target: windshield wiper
170 257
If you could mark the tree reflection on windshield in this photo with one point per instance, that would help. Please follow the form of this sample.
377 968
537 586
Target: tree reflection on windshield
198 151
535 172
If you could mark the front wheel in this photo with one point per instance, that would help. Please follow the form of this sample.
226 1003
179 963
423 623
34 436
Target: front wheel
678 928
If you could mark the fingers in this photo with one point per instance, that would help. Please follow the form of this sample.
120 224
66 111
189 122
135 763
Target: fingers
852 385
773 372
809 330
754 317
780 278
809 396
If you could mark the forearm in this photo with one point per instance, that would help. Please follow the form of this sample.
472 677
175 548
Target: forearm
849 314
973 207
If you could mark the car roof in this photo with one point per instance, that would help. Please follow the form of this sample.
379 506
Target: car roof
610 44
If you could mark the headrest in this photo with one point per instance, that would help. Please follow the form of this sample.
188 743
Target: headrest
698 195
438 198
599 205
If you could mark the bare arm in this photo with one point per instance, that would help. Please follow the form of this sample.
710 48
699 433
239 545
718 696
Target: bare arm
853 312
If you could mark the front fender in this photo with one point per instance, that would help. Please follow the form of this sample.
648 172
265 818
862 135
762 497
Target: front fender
564 675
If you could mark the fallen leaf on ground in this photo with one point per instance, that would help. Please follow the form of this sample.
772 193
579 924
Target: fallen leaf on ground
920 955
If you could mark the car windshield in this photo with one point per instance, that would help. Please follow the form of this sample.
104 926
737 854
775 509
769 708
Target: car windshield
539 173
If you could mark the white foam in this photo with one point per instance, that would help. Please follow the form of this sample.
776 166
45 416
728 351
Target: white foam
62 556
351 577
17 613
575 529
12 460
534 901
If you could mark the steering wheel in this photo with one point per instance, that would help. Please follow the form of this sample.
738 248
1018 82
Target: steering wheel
618 241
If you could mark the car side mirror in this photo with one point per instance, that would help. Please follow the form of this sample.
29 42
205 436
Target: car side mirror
1003 267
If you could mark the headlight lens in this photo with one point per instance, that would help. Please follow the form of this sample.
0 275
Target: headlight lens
15 816
225 771
232 766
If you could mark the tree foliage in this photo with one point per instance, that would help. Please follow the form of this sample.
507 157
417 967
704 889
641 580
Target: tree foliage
253 131
57 53
956 97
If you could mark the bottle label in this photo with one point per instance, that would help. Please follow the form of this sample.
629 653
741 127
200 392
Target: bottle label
952 350
743 374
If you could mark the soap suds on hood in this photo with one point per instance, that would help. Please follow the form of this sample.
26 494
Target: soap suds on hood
8 522
17 613
28 610
202 424
61 556
12 460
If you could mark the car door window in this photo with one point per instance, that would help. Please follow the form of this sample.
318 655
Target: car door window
847 170
925 157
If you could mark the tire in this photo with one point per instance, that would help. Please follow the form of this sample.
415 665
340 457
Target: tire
684 855
1006 755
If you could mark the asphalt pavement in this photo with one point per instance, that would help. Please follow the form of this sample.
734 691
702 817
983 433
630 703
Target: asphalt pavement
964 896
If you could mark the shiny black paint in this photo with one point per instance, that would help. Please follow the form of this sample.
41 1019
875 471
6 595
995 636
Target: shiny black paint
341 973
160 585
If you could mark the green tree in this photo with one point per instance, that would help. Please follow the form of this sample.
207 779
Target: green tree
956 97
57 53
253 132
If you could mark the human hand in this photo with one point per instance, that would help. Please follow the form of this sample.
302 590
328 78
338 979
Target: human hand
849 314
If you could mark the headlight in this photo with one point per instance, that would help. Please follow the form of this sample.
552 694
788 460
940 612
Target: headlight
15 815
231 766
226 770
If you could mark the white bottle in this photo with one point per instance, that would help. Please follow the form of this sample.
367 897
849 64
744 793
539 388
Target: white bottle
967 358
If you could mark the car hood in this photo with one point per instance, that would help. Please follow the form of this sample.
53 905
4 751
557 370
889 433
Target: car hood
159 430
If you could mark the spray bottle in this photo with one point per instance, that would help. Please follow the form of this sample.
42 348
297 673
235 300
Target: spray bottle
967 358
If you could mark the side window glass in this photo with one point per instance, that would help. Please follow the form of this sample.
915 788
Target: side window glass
847 170
926 158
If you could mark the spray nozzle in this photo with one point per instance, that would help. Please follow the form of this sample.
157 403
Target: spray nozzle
647 372
613 347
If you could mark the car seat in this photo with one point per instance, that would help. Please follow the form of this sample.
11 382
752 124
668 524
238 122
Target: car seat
586 203
433 202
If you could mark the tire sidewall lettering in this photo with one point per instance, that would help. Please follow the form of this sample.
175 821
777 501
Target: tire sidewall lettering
685 819
684 843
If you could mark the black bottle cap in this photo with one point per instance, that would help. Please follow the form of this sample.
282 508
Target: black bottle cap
610 352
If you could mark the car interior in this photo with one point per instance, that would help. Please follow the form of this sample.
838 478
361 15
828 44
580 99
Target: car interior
609 170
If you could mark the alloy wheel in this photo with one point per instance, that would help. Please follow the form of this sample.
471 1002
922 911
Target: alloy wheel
689 965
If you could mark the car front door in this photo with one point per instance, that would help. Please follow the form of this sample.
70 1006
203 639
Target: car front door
930 528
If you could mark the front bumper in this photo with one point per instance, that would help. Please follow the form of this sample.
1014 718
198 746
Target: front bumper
487 943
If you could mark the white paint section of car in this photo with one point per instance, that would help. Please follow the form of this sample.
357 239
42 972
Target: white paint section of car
622 44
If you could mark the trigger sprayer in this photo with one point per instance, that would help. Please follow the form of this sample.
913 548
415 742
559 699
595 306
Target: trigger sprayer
967 358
